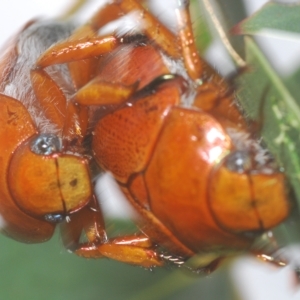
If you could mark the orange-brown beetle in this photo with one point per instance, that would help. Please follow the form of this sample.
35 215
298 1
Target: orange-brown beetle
161 121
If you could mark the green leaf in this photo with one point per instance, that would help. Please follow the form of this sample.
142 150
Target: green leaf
202 33
281 112
276 16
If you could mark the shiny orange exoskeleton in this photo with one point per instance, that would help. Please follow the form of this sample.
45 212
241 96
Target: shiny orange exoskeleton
144 106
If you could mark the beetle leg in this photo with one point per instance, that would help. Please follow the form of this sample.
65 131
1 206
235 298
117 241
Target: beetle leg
198 70
50 97
72 118
192 61
277 261
82 56
82 71
155 30
135 249
152 28
112 11
69 118
90 220
84 44
132 249
70 50
76 122
213 93
99 92
210 92
96 92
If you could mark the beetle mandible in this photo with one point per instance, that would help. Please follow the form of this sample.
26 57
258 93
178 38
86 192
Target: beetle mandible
146 107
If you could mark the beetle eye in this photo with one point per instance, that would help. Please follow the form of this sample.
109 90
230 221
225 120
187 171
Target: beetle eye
239 161
46 144
54 218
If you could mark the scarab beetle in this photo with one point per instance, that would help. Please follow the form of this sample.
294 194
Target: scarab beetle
143 105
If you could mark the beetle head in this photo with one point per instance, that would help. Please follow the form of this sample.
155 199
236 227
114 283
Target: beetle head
47 183
247 192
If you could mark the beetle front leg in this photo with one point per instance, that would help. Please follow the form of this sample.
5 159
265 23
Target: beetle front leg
132 249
